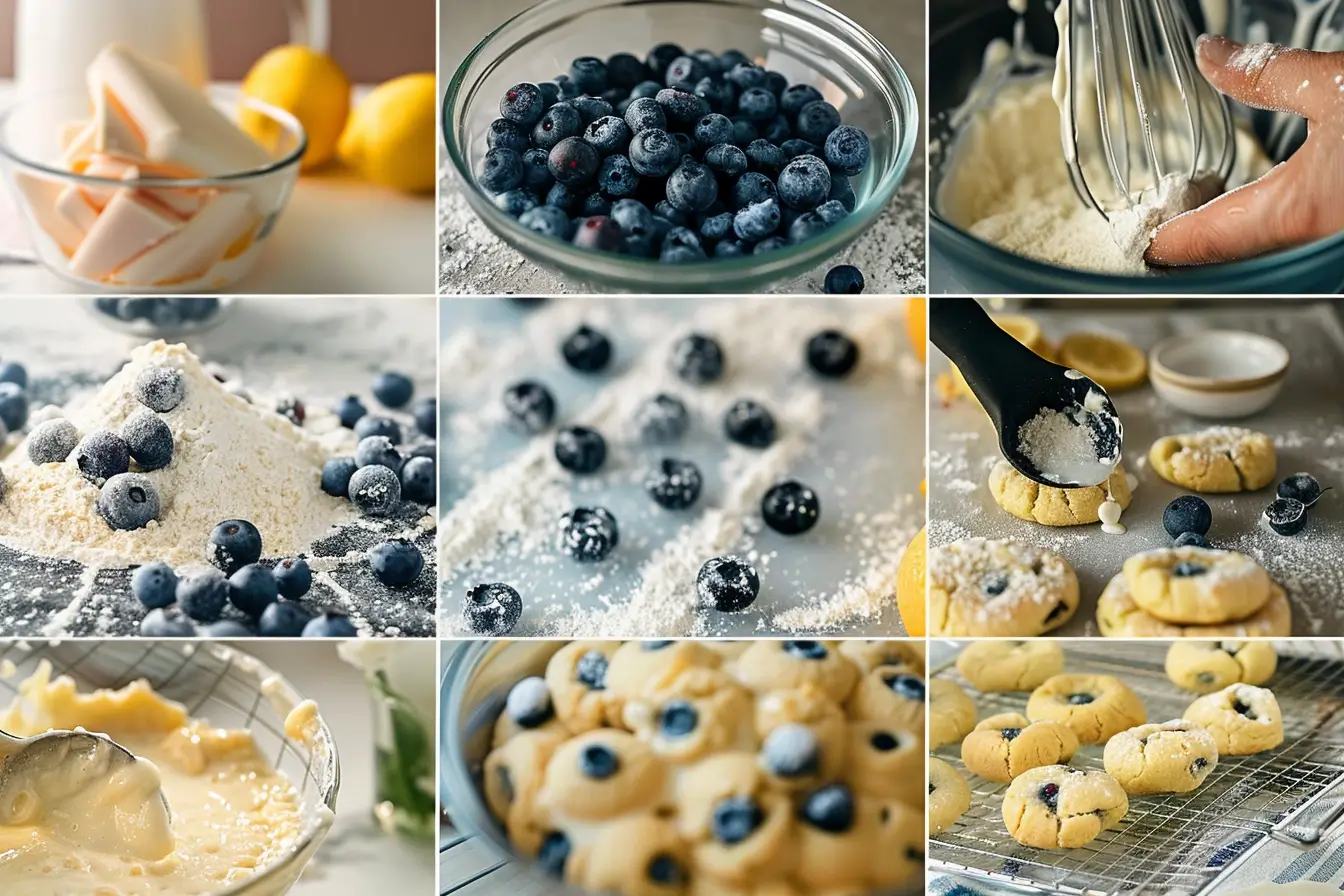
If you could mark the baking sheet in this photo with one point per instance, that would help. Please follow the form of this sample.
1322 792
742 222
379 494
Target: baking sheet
318 350
1306 424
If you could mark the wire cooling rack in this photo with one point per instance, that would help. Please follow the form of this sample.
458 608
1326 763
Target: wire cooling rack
1172 843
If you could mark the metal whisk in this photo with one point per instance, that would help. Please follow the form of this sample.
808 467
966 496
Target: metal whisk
1149 112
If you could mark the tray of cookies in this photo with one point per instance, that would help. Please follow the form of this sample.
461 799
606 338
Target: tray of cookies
1225 517
1144 767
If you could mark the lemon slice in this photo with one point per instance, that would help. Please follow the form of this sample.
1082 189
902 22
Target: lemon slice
1024 330
1113 363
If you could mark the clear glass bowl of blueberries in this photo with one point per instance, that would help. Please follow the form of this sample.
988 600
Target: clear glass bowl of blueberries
602 142
159 317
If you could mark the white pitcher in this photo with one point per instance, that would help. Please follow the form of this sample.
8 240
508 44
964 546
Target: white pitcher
55 40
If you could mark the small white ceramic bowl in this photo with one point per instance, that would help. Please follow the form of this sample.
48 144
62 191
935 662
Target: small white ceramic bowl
1221 374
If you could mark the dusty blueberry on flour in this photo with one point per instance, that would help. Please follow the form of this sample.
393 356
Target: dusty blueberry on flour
727 584
1302 487
663 418
748 423
293 578
674 484
202 594
336 475
154 585
1286 516
102 455
580 449
586 350
52 442
160 389
530 406
375 490
492 609
697 359
790 508
397 562
832 354
791 751
588 534
1188 513
167 622
233 545
378 451
128 501
149 440
419 481
529 703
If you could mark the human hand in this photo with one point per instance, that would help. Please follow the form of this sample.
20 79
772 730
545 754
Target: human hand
1300 200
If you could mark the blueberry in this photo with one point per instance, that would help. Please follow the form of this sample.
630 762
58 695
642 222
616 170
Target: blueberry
501 170
807 226
252 589
588 534
1188 513
291 409
791 751
726 160
665 869
625 71
586 350
844 280
378 451
426 414
712 130
848 150
994 584
678 719
396 562
1190 540
832 211
805 650
692 187
608 135
589 74
758 104
350 410
599 234
684 70
560 122
1303 487
727 584
1049 794
293 578
735 819
910 687
777 131
1243 709
758 220
429 449
14 372
515 202
591 108
554 854
548 220
842 192
748 423
830 808
730 249
419 481
505 134
52 442
492 609
716 227
816 121
794 98
394 390
661 57
523 103
731 59
330 624
682 246
594 205
167 622
617 178
697 359
154 585
1009 733
563 196
765 157
796 147
805 183
746 75
233 545
751 188
1286 516
832 354
663 418
102 455
529 703
202 594
375 490
128 501
599 762
336 475
580 449
284 620
530 406
591 670
229 628
13 406
674 484
537 171
790 508
682 107
719 96
573 161
745 131
644 114
645 90
1081 699
769 244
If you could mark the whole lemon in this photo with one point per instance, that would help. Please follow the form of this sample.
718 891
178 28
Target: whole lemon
308 85
391 135
910 592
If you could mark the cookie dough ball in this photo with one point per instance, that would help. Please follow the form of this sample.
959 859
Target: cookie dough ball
847 841
639 667
783 665
1052 506
1008 745
512 779
784 755
1221 459
1167 757
701 711
1118 616
894 694
1207 666
641 856
602 774
886 761
1197 586
577 678
1057 807
951 713
1242 718
739 827
868 655
949 795
999 666
1094 707
981 587
528 708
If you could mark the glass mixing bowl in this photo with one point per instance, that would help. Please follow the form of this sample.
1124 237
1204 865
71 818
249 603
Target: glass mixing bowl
802 39
959 32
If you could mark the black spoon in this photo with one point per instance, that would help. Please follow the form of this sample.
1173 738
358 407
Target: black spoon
1014 383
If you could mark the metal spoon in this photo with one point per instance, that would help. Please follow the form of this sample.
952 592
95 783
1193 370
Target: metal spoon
23 754
1014 383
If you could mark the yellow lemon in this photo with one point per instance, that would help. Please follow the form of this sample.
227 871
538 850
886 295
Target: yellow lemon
391 137
917 326
308 85
910 591
1024 330
1114 364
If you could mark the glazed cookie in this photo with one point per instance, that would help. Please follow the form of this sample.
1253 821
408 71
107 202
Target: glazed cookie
1057 807
739 827
512 779
868 655
1094 707
639 667
577 679
528 708
1196 586
851 842
783 665
949 795
641 856
792 759
997 666
701 711
893 694
887 762
998 588
1051 506
951 713
1207 666
600 775
1118 616
1168 757
1220 459
1242 718
1005 746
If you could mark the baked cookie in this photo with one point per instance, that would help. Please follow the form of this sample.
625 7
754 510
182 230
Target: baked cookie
528 708
791 759
600 775
1007 745
1197 586
739 827
1207 666
783 665
641 856
701 711
1118 616
1220 459
577 679
851 842
512 779
1051 506
892 694
949 795
1167 757
1057 807
1094 707
984 587
868 655
1242 718
951 713
639 667
886 761
998 666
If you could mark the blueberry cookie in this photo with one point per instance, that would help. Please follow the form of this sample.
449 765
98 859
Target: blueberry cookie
1008 745
949 795
638 667
1207 666
601 775
1242 718
739 827
1052 506
1221 459
868 655
848 842
577 678
802 736
1094 707
1118 616
951 713
512 779
641 856
893 694
886 761
1197 586
998 666
1057 807
701 711
1167 757
528 708
782 665
998 588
